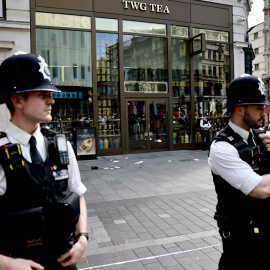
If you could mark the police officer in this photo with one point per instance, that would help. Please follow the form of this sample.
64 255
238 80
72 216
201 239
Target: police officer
205 126
43 217
240 164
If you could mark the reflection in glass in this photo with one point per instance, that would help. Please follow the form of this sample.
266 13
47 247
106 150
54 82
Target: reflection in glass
158 125
106 24
109 129
212 34
63 20
145 64
179 31
211 79
68 54
181 92
136 125
144 27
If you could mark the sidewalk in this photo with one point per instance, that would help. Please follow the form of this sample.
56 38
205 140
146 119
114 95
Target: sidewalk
151 211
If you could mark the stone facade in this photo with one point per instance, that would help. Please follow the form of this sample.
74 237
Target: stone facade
14 36
256 38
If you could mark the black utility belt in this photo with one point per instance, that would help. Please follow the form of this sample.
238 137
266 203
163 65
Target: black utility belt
242 226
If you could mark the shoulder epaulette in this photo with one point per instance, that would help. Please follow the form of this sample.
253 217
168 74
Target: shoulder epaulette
47 131
228 135
3 139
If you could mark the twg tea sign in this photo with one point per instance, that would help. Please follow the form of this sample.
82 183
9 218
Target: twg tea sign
143 7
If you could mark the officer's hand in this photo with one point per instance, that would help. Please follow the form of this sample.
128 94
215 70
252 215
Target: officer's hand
73 256
7 263
266 141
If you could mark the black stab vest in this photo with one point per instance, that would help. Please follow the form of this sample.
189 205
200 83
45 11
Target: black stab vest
233 203
32 190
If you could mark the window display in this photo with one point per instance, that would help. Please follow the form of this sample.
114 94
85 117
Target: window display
68 54
210 87
181 92
109 125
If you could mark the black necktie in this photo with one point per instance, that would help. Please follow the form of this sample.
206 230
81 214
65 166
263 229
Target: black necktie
35 155
250 140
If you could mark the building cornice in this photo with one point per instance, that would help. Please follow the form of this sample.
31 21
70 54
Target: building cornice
6 45
15 25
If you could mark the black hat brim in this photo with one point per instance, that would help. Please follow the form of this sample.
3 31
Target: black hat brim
41 87
263 102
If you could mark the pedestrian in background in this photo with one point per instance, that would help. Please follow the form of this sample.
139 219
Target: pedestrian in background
205 126
240 164
43 217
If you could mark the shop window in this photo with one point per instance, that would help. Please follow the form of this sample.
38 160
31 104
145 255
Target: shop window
63 20
212 35
181 92
145 69
64 48
179 31
144 27
210 92
109 124
256 35
106 24
68 56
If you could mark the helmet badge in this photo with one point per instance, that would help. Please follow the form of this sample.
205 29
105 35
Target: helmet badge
44 70
261 86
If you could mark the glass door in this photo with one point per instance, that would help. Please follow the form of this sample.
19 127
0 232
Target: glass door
147 125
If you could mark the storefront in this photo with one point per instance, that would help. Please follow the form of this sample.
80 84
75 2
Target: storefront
141 73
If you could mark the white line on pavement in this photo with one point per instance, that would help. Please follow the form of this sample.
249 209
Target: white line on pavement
149 258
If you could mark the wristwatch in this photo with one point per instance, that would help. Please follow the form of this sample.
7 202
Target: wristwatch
82 234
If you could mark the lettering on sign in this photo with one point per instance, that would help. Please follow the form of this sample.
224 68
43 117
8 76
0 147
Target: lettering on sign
143 7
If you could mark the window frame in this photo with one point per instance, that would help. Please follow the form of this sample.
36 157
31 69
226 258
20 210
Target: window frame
3 4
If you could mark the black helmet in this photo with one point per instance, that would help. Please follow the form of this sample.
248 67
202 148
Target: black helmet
246 90
24 72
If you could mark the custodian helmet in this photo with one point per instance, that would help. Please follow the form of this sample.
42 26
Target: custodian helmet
246 90
24 72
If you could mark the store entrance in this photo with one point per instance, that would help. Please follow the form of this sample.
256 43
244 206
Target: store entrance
147 125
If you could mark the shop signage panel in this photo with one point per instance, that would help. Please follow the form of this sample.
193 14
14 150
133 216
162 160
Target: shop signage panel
148 8
86 141
85 5
203 14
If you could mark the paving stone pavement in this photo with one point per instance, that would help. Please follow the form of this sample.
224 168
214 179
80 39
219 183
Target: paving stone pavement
151 211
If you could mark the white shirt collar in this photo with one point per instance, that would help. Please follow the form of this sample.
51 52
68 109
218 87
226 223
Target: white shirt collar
242 132
20 135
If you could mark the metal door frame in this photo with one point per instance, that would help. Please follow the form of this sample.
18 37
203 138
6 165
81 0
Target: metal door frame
147 118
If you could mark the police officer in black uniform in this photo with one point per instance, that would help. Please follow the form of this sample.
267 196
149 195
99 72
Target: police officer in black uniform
43 217
205 126
240 163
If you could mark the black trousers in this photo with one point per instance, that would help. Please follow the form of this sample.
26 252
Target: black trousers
244 250
205 138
